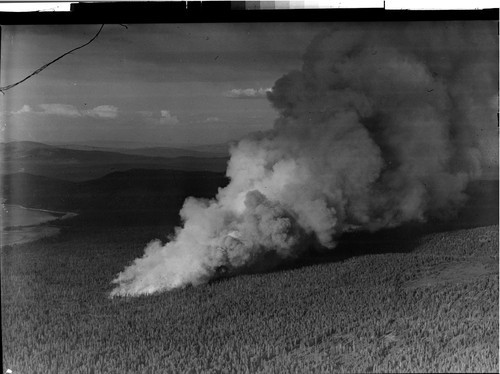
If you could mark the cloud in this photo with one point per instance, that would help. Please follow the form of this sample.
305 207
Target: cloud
67 110
64 110
24 109
167 119
212 120
247 93
103 111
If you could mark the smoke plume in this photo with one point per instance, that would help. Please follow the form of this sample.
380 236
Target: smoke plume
382 125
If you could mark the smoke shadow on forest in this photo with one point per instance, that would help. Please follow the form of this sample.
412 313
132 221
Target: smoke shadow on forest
481 209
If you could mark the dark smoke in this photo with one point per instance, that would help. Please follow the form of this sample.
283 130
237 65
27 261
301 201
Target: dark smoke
384 124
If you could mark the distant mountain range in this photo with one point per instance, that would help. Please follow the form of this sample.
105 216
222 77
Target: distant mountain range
119 186
217 150
85 163
201 151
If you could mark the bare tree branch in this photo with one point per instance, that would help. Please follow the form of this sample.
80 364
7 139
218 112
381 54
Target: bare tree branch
5 88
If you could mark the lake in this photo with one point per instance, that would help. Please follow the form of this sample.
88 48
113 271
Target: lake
21 225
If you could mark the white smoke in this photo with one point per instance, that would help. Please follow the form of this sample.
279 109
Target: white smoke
382 125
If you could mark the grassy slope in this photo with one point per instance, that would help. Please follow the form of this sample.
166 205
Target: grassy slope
384 312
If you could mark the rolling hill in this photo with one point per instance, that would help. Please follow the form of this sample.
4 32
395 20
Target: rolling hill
156 195
119 197
214 151
195 150
79 165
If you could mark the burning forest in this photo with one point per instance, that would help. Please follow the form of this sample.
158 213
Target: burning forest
380 126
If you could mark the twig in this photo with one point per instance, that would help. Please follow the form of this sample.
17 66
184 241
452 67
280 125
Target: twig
5 88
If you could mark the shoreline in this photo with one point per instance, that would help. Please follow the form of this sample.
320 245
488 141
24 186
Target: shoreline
27 232
72 214
59 215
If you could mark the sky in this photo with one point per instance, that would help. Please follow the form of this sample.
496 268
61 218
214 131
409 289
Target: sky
168 84
163 84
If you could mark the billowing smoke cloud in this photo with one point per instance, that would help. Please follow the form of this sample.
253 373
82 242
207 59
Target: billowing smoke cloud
382 125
